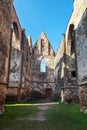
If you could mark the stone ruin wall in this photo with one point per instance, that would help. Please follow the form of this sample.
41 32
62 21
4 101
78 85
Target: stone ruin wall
59 70
76 19
81 53
5 38
15 59
43 80
76 16
19 68
70 65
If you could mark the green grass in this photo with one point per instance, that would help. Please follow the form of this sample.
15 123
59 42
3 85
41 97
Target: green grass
59 117
66 117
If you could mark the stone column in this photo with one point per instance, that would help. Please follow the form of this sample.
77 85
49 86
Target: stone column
62 95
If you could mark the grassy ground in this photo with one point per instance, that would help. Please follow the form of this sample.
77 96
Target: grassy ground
59 117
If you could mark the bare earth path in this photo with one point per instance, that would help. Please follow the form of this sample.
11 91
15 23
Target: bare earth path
41 114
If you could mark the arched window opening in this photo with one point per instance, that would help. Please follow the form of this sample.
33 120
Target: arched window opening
15 30
73 73
49 49
70 34
42 41
42 46
71 38
43 65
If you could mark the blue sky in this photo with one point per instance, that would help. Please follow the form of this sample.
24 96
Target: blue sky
50 16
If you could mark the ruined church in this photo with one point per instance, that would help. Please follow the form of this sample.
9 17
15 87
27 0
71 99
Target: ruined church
28 71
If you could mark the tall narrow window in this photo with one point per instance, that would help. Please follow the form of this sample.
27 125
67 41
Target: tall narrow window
49 50
43 65
42 41
71 36
42 46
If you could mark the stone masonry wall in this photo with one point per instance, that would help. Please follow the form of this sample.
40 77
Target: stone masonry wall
15 60
19 68
15 56
59 69
81 53
70 66
5 38
42 82
76 16
81 49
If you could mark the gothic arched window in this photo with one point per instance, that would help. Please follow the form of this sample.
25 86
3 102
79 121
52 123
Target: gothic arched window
42 41
43 65
71 36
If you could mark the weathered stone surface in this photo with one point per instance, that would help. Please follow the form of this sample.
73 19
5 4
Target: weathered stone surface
81 53
81 49
5 37
3 91
78 25
42 80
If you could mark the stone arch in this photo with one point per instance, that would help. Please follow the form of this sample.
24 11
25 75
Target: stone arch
71 38
15 56
15 39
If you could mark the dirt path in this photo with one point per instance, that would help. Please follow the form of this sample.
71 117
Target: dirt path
41 114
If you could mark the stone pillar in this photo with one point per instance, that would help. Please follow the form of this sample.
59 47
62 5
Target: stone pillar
5 40
62 95
83 98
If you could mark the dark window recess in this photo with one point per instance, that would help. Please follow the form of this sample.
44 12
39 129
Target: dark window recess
73 73
72 47
42 75
42 41
49 50
33 51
